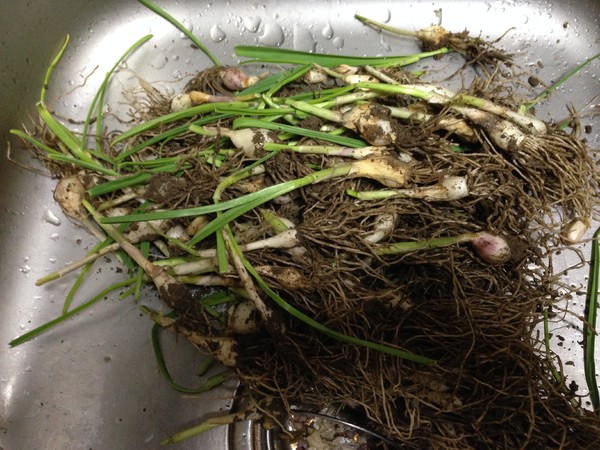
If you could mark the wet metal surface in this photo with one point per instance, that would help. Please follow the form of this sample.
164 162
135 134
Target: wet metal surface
93 382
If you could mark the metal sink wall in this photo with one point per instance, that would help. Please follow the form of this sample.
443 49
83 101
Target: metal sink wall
93 382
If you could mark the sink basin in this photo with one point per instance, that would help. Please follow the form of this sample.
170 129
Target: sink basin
93 381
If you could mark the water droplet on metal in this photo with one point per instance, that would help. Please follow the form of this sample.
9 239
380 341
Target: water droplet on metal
385 45
50 218
251 24
273 35
303 39
159 62
55 236
25 268
189 27
338 42
216 34
327 32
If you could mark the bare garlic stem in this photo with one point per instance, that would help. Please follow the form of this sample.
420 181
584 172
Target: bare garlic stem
77 264
246 279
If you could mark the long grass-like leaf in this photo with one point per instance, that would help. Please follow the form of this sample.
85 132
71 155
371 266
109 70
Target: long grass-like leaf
70 141
247 122
51 68
93 166
121 183
211 383
35 142
285 56
165 15
101 93
267 83
527 106
243 204
45 327
294 75
173 132
222 260
173 117
589 328
207 425
264 195
76 146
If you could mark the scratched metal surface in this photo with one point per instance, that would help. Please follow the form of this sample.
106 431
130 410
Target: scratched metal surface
93 382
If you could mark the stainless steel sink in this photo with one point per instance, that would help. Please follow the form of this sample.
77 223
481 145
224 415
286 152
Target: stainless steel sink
93 381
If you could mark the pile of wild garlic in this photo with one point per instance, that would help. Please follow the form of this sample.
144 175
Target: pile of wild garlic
343 233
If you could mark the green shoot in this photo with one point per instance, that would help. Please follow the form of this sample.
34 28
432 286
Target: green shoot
128 181
49 150
246 122
294 75
285 56
206 363
172 117
207 425
167 135
383 26
62 318
101 93
243 203
269 83
169 18
73 144
527 106
372 195
51 68
265 195
589 327
275 222
211 383
65 136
